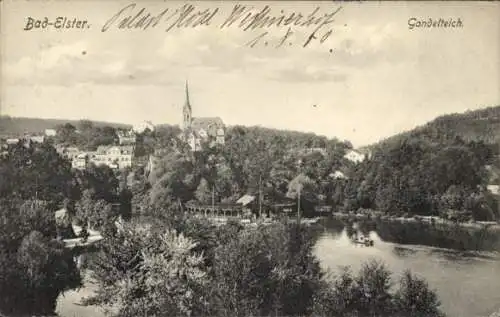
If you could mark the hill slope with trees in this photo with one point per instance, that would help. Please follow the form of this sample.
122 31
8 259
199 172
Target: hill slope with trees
478 125
14 126
442 168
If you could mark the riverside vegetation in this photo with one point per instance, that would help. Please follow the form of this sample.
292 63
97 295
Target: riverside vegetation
173 264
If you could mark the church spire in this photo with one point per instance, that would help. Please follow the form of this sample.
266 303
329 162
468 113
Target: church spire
188 104
187 111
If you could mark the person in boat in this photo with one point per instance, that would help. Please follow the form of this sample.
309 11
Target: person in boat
85 233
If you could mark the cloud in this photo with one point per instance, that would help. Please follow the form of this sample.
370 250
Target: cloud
162 58
50 61
307 73
74 63
357 47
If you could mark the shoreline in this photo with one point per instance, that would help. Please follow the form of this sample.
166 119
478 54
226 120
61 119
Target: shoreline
419 219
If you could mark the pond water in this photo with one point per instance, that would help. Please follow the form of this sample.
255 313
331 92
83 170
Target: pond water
461 265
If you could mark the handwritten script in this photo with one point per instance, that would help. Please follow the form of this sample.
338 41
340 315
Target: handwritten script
263 21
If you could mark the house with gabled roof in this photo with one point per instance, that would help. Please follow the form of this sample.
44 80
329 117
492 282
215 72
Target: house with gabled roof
116 157
126 137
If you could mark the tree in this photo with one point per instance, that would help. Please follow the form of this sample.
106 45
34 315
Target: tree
173 181
415 299
37 173
372 292
266 271
125 199
203 192
151 273
96 213
101 182
337 298
34 267
306 186
367 295
66 134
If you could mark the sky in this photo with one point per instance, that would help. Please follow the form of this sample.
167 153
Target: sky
370 78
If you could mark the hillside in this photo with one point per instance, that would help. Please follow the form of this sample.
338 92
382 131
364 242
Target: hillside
442 168
12 126
478 125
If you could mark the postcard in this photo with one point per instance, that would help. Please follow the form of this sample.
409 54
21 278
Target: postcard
377 122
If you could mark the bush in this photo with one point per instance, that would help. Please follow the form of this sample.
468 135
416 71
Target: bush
414 298
367 294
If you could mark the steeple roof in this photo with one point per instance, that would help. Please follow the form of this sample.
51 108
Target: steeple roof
187 103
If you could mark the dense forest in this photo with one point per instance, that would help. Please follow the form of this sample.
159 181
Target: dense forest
423 177
445 177
267 163
169 263
442 168
478 125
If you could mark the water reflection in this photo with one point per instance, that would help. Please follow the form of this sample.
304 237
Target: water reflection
403 252
421 233
463 265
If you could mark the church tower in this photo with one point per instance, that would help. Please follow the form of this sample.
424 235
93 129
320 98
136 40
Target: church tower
187 111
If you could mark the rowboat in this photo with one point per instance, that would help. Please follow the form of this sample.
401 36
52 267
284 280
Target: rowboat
363 241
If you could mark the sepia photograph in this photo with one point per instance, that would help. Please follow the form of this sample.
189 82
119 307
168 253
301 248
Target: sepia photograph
249 158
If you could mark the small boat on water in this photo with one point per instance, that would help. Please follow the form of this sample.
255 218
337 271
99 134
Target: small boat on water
363 241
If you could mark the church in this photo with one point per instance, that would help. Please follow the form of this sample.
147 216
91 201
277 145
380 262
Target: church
199 130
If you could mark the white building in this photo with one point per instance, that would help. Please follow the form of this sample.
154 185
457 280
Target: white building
80 161
141 127
12 141
338 175
50 132
69 152
113 156
37 138
494 189
354 156
126 137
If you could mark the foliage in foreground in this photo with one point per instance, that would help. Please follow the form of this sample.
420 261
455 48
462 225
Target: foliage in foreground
368 293
34 267
195 270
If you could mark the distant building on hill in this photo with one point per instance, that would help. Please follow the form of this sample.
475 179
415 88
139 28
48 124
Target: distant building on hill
37 138
126 137
116 157
494 189
80 161
12 141
69 152
355 156
338 175
143 126
50 132
200 129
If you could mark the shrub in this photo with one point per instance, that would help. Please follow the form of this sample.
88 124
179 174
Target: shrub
415 299
367 295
